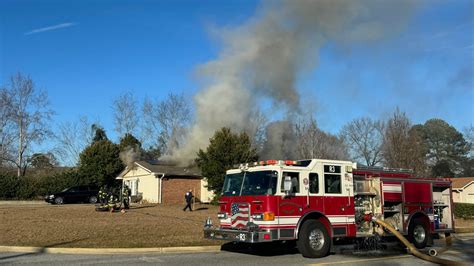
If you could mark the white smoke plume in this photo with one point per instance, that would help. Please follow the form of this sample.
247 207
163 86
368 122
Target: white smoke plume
129 156
265 57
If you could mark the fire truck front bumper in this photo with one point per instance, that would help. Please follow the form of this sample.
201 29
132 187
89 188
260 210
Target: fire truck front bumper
235 235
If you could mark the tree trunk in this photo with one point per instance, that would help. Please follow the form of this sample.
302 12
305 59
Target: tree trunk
20 147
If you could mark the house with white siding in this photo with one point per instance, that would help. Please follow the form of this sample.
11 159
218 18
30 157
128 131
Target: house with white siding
158 182
463 189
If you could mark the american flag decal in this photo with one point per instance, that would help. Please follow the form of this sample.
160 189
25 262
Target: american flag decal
240 214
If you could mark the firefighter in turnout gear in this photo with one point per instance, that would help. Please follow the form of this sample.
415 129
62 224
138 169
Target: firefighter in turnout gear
125 197
108 199
111 202
102 196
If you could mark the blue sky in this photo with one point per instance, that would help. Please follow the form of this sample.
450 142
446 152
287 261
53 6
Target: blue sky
85 53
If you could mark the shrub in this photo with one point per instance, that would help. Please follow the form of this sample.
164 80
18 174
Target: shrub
58 182
29 187
8 186
34 186
464 210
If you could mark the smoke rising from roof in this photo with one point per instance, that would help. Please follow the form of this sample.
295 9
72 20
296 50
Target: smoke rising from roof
129 156
265 57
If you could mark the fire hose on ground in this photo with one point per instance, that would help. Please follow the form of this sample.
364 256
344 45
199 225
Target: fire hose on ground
449 242
414 250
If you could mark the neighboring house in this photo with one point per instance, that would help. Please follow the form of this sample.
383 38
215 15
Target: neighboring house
463 189
165 183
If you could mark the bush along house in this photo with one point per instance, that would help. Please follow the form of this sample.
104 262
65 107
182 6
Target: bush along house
159 182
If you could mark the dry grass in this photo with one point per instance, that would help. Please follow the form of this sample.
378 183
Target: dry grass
82 226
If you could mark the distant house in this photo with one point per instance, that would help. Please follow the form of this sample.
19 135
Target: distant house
165 183
463 189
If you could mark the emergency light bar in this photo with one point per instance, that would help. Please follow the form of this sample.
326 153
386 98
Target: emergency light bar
268 162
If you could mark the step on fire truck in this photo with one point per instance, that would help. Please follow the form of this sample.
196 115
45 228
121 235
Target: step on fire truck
317 201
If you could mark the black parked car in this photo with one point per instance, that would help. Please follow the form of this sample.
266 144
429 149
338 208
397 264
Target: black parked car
74 194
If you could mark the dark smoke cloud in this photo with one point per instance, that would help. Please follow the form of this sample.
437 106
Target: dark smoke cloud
280 141
265 57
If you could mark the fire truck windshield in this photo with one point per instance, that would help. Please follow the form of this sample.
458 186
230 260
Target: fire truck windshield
250 183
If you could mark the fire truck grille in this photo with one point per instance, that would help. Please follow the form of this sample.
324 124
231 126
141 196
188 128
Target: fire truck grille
240 214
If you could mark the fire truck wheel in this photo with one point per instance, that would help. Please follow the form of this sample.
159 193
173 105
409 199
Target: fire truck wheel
313 240
418 234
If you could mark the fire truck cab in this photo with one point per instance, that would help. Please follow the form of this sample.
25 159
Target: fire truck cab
315 201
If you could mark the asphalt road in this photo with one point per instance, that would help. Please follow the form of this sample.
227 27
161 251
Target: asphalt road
462 250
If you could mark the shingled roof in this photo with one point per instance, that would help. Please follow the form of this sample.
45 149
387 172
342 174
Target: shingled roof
461 182
170 169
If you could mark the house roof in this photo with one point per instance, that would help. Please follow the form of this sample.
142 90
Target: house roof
462 182
169 169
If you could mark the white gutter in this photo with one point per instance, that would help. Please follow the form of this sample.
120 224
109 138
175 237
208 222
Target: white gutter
160 199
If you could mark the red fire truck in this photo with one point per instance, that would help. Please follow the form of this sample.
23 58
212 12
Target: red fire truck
316 201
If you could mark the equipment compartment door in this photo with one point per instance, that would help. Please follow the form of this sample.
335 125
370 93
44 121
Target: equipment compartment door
338 199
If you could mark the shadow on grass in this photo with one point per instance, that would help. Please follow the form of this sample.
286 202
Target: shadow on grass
141 207
201 209
42 250
180 218
143 213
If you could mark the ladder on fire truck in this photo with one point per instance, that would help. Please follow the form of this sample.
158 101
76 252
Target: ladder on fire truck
380 169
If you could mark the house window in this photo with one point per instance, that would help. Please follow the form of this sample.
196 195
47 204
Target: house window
133 185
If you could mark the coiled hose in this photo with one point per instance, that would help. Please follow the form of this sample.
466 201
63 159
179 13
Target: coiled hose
412 248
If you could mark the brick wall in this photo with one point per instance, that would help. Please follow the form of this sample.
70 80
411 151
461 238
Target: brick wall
175 188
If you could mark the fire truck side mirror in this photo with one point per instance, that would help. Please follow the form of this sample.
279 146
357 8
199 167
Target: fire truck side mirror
287 185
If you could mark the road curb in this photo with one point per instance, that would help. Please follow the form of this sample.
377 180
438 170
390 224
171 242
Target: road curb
99 251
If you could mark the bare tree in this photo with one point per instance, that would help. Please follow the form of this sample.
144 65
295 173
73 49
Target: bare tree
364 138
312 142
72 138
30 115
150 128
469 136
6 127
468 163
257 129
402 147
125 113
167 121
